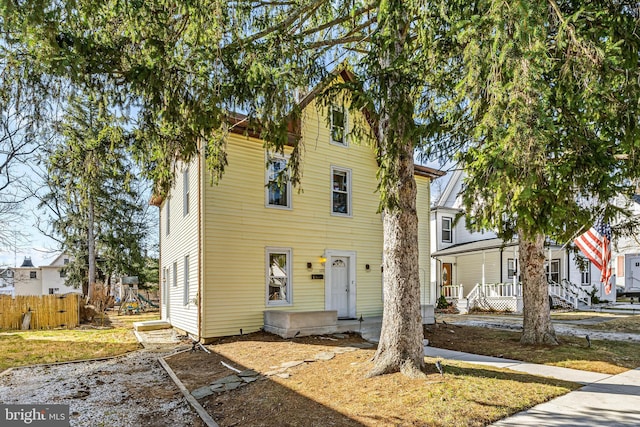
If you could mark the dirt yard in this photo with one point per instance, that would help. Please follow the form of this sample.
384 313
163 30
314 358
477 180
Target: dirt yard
321 381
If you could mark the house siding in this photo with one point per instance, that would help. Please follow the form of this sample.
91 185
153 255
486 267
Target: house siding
51 279
182 240
423 200
468 269
238 228
24 284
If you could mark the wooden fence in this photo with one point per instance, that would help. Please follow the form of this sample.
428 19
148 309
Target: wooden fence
47 311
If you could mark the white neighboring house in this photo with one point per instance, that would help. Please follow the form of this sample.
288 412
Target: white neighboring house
625 255
462 257
44 280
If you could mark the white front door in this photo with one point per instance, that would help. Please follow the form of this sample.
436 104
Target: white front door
340 285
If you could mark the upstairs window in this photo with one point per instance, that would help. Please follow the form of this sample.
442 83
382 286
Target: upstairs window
447 235
33 275
185 192
278 186
339 126
341 191
63 273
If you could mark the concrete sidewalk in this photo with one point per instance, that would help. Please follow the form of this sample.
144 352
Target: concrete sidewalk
611 400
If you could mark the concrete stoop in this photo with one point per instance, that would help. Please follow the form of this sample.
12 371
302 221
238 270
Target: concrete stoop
151 325
289 324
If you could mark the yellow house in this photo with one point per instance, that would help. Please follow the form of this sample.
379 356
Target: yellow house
248 254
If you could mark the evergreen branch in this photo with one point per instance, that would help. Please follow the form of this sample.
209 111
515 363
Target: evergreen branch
341 19
279 26
588 51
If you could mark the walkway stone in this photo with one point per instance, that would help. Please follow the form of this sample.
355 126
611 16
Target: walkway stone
202 392
248 373
325 355
292 364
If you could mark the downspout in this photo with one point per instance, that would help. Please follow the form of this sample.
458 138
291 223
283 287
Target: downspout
568 267
200 247
439 276
161 271
501 266
484 259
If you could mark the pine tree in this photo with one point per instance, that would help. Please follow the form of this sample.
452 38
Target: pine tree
546 95
98 212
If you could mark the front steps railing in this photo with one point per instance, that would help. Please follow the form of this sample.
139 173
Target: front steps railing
508 296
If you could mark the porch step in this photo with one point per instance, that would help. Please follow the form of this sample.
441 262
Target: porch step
151 325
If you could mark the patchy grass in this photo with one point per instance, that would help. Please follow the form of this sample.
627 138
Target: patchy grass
127 320
337 392
611 357
629 324
20 348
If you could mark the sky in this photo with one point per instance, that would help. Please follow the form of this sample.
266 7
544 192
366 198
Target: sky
36 245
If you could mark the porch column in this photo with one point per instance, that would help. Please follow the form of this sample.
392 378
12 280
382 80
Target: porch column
483 262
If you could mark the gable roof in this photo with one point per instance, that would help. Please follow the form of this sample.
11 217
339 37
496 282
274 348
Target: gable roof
455 178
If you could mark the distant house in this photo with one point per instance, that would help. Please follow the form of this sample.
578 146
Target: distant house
44 280
6 281
245 254
626 252
464 259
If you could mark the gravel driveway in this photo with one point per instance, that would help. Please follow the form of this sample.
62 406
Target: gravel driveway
130 390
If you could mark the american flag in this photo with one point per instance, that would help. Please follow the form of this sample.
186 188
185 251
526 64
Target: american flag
596 245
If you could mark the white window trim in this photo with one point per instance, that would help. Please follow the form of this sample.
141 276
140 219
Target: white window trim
514 269
346 126
289 205
185 192
442 221
289 253
586 271
349 173
175 274
185 295
549 272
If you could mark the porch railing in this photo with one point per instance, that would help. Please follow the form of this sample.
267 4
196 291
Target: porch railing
452 292
570 293
496 296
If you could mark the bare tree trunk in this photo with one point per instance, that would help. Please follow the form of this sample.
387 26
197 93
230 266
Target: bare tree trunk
400 348
537 327
91 244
